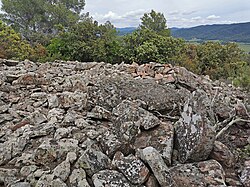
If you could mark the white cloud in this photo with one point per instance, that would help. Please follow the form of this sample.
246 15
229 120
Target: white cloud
181 13
130 18
212 17
176 12
197 18
135 13
189 12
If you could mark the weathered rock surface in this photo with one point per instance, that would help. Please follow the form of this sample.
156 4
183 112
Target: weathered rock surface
132 167
195 132
245 175
206 173
100 125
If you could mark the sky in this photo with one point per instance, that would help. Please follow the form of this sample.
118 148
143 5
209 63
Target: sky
179 13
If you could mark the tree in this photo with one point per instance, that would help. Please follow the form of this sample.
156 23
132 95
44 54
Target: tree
13 46
156 22
41 16
144 45
87 41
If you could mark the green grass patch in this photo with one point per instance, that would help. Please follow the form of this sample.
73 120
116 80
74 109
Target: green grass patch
245 47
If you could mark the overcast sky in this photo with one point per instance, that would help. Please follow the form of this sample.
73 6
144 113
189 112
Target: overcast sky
179 13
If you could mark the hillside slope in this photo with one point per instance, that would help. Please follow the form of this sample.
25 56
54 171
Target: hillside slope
238 32
126 125
125 30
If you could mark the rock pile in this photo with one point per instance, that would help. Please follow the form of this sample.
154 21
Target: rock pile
101 125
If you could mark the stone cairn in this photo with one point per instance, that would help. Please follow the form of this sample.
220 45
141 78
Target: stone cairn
101 125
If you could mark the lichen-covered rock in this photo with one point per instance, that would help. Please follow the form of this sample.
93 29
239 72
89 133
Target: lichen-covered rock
21 184
62 171
110 178
222 154
129 119
202 174
61 124
195 134
52 150
108 92
110 142
58 183
152 182
78 178
100 113
45 180
132 167
161 138
245 174
8 176
160 170
93 161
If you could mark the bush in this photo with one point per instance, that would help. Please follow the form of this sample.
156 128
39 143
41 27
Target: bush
12 46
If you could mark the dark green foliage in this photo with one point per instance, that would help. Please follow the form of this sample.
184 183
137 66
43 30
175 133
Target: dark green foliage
86 41
35 17
155 21
12 46
145 45
239 32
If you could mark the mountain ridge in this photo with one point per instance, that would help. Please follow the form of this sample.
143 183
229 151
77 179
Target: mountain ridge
236 32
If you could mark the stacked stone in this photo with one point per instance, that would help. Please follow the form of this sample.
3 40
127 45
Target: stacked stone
96 124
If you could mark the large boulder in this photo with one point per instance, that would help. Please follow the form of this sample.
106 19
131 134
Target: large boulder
195 133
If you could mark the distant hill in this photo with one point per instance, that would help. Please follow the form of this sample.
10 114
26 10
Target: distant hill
238 32
125 30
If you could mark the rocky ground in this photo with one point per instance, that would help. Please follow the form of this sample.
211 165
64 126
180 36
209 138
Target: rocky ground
101 125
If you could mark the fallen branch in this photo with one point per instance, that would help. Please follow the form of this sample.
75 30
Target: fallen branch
167 116
230 124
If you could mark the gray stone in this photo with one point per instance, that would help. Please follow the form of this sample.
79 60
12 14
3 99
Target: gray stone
93 161
62 171
45 180
61 133
53 101
160 170
110 178
77 100
4 108
52 150
38 118
71 157
132 167
81 123
110 142
78 178
8 176
130 112
245 174
27 170
195 134
61 121
21 184
202 174
130 119
6 151
100 113
58 183
161 138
